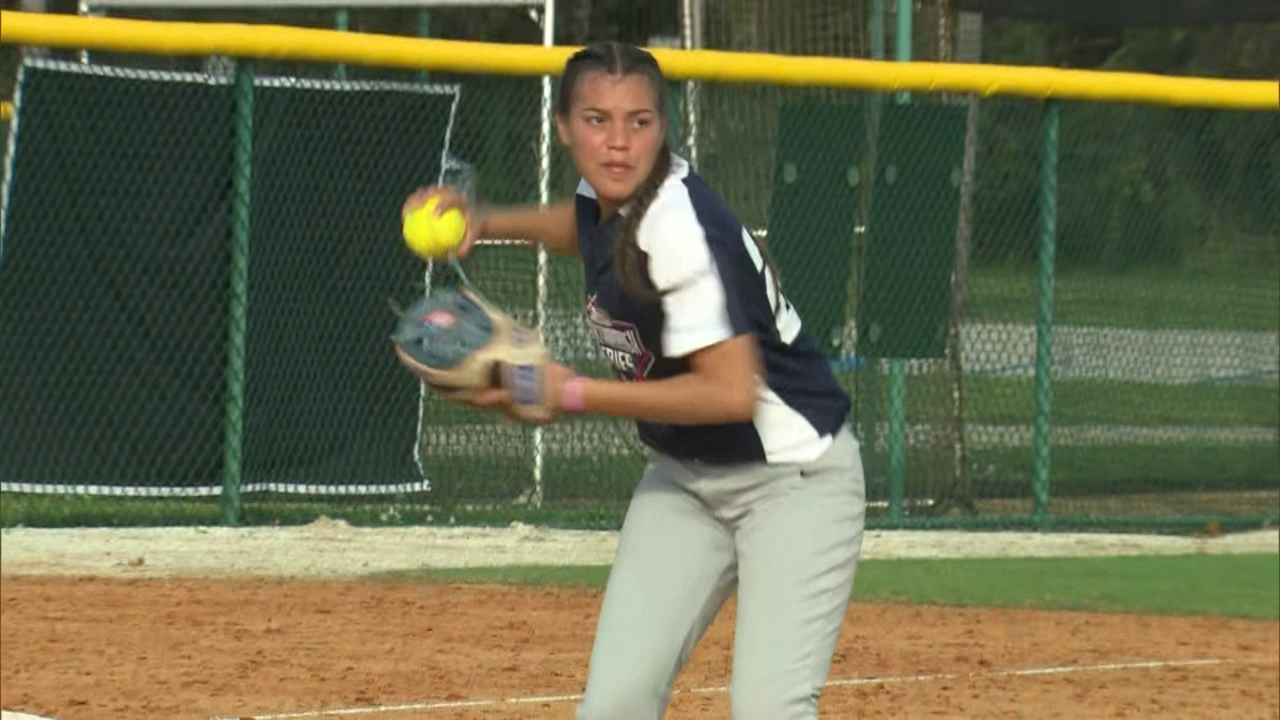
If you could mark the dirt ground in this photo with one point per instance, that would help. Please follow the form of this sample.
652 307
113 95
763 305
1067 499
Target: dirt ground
178 649
76 645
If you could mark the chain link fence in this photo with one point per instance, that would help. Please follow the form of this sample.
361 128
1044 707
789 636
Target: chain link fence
199 259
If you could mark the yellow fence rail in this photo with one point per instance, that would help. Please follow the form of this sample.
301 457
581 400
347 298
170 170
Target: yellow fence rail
276 42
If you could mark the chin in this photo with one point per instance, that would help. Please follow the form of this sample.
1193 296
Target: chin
615 190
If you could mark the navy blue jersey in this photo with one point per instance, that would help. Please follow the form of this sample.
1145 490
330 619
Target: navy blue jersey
715 285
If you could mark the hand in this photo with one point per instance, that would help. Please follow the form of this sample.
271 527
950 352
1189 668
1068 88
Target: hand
450 197
554 376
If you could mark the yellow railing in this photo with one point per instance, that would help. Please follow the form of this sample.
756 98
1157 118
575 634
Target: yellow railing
6 110
329 46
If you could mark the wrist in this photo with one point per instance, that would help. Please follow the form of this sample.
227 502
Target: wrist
481 218
573 394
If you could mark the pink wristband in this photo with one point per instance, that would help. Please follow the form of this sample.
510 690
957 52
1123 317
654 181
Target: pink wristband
572 394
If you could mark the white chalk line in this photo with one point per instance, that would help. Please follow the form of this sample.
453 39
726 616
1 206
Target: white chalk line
842 682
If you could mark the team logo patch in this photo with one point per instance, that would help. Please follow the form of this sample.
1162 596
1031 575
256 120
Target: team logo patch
620 342
438 319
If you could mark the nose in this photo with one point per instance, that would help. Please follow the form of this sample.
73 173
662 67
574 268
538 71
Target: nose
618 136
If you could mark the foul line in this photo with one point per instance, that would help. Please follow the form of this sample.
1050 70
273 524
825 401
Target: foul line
845 682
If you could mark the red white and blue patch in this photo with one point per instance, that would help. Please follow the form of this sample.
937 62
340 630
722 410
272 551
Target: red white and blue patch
438 319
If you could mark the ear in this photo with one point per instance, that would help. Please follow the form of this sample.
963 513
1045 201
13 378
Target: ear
562 129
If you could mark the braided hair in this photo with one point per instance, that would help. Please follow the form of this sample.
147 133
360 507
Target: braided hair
622 59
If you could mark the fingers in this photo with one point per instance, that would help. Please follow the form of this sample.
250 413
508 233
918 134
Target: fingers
491 398
463 397
449 197
487 398
417 198
496 399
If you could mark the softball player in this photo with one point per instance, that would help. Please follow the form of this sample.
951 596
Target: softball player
755 482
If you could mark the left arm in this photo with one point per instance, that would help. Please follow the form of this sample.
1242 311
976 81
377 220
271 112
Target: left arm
720 388
705 322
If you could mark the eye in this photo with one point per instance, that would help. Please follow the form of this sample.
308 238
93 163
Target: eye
595 120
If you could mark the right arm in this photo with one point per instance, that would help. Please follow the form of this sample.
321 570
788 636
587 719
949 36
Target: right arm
554 227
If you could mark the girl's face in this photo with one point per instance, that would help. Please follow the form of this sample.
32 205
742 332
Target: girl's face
613 131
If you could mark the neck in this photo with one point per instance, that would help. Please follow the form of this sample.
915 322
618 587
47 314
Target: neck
608 208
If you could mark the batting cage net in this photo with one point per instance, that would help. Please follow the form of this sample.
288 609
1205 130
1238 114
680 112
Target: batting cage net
1047 314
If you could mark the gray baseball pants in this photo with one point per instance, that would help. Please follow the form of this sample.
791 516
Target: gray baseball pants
786 537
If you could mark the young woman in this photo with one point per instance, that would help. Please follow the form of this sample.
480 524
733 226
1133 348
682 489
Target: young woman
754 482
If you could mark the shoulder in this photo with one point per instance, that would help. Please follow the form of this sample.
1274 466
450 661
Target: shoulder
672 218
672 232
586 215
685 211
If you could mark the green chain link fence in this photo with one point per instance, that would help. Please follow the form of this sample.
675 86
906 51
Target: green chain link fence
1048 315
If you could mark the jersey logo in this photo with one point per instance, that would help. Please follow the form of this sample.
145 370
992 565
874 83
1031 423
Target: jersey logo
620 342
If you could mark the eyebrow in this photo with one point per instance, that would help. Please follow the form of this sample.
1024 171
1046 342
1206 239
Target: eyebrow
643 111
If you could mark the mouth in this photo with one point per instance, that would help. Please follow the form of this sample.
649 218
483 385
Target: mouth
616 169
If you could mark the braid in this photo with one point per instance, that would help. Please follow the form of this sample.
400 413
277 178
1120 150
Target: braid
618 58
773 271
626 250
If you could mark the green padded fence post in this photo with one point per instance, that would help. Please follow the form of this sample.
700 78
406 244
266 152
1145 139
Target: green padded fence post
233 408
869 393
342 23
424 31
897 425
1044 314
897 374
897 434
877 29
675 118
902 42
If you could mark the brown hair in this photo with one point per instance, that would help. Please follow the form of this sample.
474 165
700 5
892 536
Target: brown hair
622 59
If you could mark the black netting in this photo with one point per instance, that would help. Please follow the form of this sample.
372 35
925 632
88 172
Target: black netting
910 232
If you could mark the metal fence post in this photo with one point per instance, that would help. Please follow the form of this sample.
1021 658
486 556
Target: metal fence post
233 406
1044 314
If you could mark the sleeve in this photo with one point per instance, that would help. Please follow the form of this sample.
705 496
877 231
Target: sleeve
699 307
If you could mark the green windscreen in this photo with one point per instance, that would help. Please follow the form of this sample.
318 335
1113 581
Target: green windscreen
905 304
114 284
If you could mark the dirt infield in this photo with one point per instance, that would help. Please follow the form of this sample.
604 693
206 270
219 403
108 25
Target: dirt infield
107 637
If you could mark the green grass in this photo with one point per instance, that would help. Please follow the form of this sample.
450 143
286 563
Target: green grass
1149 298
1107 470
593 492
1100 402
1011 400
1237 586
1246 586
259 510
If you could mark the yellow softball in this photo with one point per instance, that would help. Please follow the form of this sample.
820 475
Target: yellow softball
432 237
